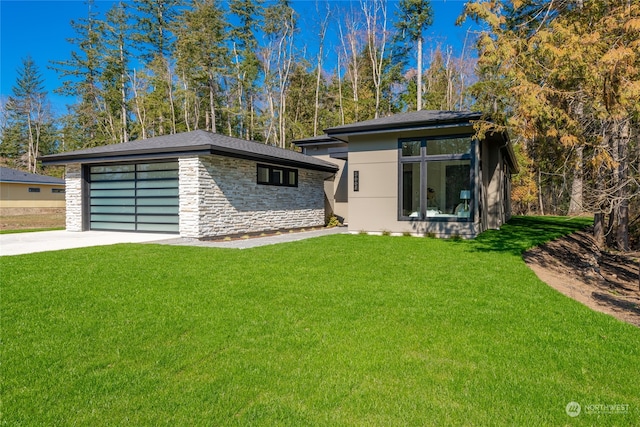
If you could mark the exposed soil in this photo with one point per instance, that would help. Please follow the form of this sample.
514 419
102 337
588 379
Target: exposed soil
608 282
15 219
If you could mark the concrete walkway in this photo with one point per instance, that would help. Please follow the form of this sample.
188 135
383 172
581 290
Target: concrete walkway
42 241
256 241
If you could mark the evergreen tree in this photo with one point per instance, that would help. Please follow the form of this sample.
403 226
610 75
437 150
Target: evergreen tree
114 78
570 72
29 129
154 39
244 47
202 53
80 77
414 17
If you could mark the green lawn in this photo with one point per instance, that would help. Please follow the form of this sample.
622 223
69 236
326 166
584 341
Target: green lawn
339 330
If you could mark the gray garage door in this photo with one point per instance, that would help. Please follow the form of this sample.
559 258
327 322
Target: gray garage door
135 197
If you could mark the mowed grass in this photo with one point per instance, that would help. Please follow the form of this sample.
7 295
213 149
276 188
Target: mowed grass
335 331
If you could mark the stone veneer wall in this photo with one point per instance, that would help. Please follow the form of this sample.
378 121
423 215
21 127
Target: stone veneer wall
73 196
220 196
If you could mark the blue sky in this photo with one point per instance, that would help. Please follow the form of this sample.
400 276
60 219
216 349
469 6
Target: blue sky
42 28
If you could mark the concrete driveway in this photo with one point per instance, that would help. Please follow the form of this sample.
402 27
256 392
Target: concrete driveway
42 241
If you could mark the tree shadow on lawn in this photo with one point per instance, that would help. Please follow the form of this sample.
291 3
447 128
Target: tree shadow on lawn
524 232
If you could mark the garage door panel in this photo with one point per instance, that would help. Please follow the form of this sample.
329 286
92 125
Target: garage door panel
170 210
110 185
158 183
115 226
114 209
115 192
162 192
160 228
158 201
113 202
142 197
158 219
112 218
113 176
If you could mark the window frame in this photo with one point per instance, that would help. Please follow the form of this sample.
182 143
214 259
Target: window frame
284 173
423 159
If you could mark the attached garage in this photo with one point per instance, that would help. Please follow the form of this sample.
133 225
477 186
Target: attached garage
134 197
198 184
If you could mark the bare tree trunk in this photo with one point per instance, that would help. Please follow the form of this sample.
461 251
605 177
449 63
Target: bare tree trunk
576 202
172 108
140 111
123 101
598 229
377 40
419 77
622 238
316 108
350 47
340 92
449 70
212 104
540 201
185 103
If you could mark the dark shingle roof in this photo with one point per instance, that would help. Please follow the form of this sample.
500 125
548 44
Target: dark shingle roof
406 120
195 142
12 175
316 140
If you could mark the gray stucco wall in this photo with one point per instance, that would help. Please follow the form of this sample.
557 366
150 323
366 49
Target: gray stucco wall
220 196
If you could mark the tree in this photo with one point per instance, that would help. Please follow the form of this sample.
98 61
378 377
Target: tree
277 61
80 79
155 42
414 16
570 73
375 13
114 31
202 52
246 63
29 129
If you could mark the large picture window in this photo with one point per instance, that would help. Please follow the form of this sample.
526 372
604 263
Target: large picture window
435 178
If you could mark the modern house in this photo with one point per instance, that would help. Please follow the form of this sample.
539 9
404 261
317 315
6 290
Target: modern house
198 184
420 173
415 173
23 191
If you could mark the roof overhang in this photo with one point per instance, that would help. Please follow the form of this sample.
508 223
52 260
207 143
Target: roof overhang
150 155
405 122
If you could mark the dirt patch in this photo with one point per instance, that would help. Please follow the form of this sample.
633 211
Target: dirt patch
52 218
604 281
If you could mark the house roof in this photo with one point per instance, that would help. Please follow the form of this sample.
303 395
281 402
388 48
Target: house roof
316 140
188 143
8 175
405 121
